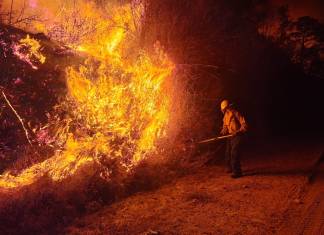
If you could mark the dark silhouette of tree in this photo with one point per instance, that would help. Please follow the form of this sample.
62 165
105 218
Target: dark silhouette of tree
303 39
283 14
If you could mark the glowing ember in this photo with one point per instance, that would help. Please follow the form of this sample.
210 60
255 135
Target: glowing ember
28 50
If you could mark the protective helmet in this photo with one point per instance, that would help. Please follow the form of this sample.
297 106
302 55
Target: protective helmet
224 105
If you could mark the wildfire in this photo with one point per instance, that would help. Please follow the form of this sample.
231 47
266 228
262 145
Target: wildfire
118 100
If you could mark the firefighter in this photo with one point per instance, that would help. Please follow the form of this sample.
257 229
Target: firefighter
235 125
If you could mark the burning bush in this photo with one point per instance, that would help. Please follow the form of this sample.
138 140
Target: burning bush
118 100
113 125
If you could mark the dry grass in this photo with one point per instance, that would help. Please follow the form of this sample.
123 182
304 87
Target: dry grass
46 207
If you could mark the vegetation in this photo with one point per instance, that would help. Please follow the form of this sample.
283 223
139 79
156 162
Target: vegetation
216 51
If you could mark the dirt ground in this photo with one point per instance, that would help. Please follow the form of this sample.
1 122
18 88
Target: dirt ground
273 197
309 218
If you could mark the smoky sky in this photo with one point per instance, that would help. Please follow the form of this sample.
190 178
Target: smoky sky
298 8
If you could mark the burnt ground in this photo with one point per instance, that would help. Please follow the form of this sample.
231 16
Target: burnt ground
274 197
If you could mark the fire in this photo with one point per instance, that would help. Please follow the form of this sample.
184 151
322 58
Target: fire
29 51
118 100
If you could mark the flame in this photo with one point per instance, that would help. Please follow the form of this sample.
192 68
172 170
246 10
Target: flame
118 100
29 51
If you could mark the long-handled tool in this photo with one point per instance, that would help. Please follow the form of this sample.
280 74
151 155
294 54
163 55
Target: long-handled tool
215 138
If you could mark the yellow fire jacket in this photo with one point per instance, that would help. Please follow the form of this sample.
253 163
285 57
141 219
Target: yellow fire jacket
233 122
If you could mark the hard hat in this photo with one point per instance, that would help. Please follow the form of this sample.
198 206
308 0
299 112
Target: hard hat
224 105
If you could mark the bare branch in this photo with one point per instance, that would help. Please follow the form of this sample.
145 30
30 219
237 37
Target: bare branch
18 117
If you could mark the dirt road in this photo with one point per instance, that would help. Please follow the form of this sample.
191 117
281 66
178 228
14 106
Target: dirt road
309 218
274 197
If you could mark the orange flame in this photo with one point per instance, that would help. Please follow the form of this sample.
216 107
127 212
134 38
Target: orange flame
29 51
118 97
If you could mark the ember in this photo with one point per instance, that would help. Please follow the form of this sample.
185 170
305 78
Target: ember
29 51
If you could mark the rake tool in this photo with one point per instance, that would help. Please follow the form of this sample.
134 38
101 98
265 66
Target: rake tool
214 139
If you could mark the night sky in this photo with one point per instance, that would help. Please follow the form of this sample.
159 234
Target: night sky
298 8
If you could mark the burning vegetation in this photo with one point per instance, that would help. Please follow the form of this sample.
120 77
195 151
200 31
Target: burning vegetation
102 99
118 99
102 106
28 50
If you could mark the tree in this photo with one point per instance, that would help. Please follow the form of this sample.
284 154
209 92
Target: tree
283 14
305 39
16 17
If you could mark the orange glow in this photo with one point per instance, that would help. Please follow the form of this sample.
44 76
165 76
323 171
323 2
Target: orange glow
118 97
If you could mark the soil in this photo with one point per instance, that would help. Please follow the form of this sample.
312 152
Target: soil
273 197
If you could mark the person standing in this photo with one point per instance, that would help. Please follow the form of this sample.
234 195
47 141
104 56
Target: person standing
234 124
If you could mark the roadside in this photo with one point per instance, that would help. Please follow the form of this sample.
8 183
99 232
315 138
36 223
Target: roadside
308 219
210 202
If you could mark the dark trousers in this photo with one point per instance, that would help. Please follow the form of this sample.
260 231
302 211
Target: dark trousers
233 146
